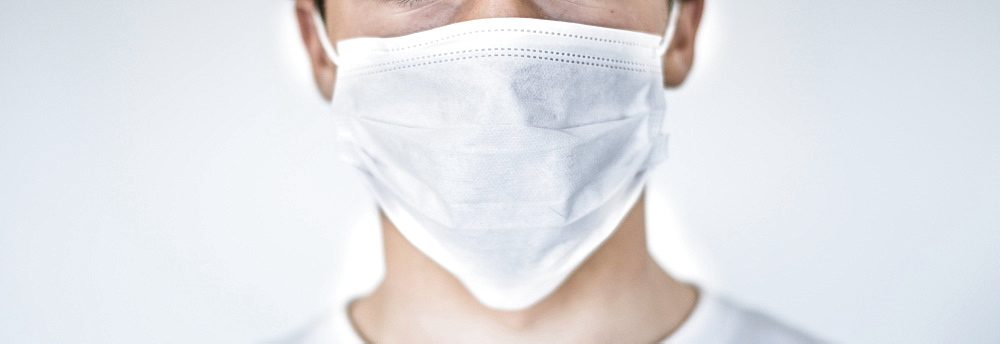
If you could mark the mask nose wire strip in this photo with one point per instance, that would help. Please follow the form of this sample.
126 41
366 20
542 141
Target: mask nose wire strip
671 27
324 40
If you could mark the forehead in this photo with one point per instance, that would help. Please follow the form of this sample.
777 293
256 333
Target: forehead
389 18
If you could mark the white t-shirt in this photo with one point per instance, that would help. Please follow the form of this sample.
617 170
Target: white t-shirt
714 319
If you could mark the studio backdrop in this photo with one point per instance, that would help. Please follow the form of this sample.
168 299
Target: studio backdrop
168 172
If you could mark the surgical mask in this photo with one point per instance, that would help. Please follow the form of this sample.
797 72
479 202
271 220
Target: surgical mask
505 149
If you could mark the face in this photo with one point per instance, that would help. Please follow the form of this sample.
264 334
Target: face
389 18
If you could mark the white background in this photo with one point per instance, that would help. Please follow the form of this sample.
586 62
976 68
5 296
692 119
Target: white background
168 174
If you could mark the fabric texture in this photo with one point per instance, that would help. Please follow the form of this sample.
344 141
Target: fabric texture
504 149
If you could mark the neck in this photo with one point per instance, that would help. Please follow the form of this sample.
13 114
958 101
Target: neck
418 301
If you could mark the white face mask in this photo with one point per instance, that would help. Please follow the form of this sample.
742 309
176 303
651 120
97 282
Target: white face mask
505 149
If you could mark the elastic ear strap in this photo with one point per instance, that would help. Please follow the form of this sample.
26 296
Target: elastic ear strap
671 28
324 40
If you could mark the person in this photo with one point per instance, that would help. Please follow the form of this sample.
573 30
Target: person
507 143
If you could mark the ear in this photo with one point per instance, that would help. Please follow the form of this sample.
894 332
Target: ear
679 58
324 71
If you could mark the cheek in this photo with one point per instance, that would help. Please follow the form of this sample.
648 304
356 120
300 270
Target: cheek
388 18
649 16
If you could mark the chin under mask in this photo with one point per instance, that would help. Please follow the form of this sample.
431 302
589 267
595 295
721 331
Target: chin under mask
505 149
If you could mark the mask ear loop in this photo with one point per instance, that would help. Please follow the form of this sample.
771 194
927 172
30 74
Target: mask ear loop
324 40
671 28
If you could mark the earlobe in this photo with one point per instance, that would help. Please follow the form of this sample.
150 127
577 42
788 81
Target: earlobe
679 58
324 70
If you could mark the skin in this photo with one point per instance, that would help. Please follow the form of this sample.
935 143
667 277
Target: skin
618 294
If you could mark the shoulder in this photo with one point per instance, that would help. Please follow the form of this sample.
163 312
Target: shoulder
716 319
